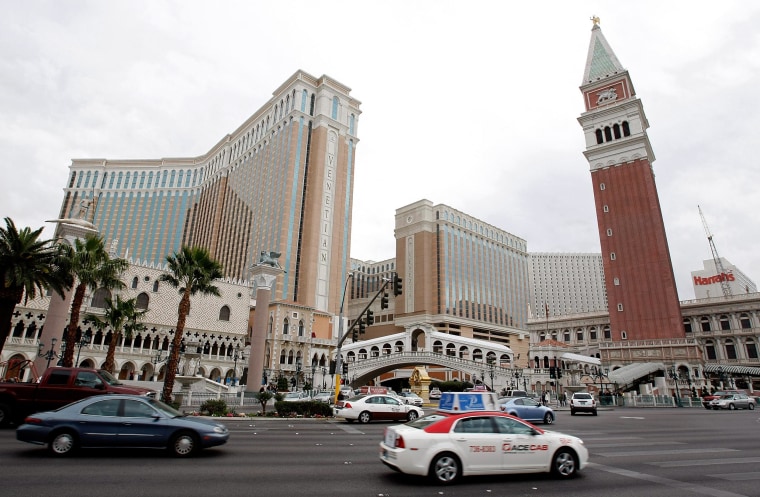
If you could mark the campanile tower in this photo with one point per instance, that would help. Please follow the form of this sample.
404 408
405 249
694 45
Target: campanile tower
641 289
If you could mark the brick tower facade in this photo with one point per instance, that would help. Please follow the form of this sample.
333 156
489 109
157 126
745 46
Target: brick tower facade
641 289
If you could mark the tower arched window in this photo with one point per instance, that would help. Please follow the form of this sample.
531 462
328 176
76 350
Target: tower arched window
285 326
626 129
155 286
607 134
566 336
134 282
142 301
607 333
599 137
616 131
224 313
300 328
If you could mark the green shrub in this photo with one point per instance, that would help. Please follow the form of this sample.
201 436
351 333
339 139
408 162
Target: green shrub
214 407
306 408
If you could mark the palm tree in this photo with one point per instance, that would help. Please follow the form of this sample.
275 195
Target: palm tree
191 270
122 317
92 268
27 265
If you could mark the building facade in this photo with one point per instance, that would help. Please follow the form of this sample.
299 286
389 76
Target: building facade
708 282
564 284
282 182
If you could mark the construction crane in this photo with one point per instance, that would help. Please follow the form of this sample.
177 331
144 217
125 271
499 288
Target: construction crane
716 258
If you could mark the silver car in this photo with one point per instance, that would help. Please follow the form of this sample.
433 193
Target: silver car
732 401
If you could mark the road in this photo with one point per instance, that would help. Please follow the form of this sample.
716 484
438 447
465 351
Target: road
634 452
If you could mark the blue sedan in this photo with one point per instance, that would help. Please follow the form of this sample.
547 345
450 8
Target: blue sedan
528 409
108 421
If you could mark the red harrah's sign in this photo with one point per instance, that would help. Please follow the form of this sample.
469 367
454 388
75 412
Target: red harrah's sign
698 280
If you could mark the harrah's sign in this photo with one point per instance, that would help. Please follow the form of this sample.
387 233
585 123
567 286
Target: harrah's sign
698 280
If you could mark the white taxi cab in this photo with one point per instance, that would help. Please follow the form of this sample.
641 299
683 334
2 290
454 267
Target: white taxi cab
453 443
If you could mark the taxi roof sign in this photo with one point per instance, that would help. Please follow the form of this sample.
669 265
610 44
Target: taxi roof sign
456 402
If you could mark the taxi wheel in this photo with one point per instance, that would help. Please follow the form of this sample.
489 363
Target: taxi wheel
445 469
63 443
365 417
412 415
548 418
564 464
751 406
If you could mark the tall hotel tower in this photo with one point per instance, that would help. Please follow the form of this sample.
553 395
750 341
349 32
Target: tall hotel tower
641 289
461 275
281 182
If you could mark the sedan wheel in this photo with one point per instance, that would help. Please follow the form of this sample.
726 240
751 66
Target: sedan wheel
548 418
731 407
63 443
564 464
445 469
183 444
751 406
365 417
412 415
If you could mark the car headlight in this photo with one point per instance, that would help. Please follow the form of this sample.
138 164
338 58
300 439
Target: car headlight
220 429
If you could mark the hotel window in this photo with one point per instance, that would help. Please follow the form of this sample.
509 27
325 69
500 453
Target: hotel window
602 186
612 256
620 307
616 281
623 335
606 208
609 231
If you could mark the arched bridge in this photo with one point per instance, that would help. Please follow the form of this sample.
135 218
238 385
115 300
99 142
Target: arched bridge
362 371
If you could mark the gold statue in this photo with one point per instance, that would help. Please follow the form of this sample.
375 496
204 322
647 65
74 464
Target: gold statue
594 19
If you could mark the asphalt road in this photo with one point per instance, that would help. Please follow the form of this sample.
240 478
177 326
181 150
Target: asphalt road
634 452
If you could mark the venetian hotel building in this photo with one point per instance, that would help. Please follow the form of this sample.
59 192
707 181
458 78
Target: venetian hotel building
281 182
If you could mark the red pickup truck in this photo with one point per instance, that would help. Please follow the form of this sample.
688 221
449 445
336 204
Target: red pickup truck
56 388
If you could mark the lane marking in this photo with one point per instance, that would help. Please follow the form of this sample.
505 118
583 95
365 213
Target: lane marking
738 476
634 444
712 492
706 462
662 452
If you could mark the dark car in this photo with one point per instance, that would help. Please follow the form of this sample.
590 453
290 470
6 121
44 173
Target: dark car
110 421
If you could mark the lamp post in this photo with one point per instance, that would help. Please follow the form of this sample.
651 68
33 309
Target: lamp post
50 354
298 370
599 374
675 375
516 375
84 340
313 373
238 356
490 369
324 383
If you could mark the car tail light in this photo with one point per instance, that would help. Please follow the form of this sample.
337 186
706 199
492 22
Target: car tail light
347 405
31 420
400 442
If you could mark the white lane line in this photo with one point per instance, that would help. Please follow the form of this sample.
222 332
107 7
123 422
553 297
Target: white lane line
347 428
706 462
645 443
754 475
712 492
652 453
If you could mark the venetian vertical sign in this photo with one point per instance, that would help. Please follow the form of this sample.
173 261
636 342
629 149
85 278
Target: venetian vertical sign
326 222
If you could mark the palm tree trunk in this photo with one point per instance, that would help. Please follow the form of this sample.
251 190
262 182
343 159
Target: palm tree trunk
171 366
110 363
71 329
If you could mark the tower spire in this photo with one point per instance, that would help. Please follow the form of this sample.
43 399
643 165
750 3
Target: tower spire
601 61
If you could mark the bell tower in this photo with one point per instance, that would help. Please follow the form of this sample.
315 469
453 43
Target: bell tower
641 290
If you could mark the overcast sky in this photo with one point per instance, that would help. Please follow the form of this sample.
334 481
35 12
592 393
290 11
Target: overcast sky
470 104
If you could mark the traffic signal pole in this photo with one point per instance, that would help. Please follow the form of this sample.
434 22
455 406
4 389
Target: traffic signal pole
342 336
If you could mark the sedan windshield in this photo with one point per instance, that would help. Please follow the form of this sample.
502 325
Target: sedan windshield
424 421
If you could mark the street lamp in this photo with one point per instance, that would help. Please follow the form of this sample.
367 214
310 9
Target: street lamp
324 383
238 356
313 373
50 354
84 340
516 375
298 370
675 375
490 361
598 374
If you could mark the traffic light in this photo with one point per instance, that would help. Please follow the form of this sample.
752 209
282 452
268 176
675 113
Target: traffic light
355 335
559 373
398 287
362 327
384 301
370 317
345 369
552 373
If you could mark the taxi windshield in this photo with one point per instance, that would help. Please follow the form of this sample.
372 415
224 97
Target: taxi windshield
425 421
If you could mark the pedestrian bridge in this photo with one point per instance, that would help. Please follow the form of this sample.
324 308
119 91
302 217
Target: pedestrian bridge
422 344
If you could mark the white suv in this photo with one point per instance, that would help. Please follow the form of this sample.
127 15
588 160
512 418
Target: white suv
582 402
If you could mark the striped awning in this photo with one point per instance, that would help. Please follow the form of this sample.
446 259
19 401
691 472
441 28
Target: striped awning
632 372
570 357
748 370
